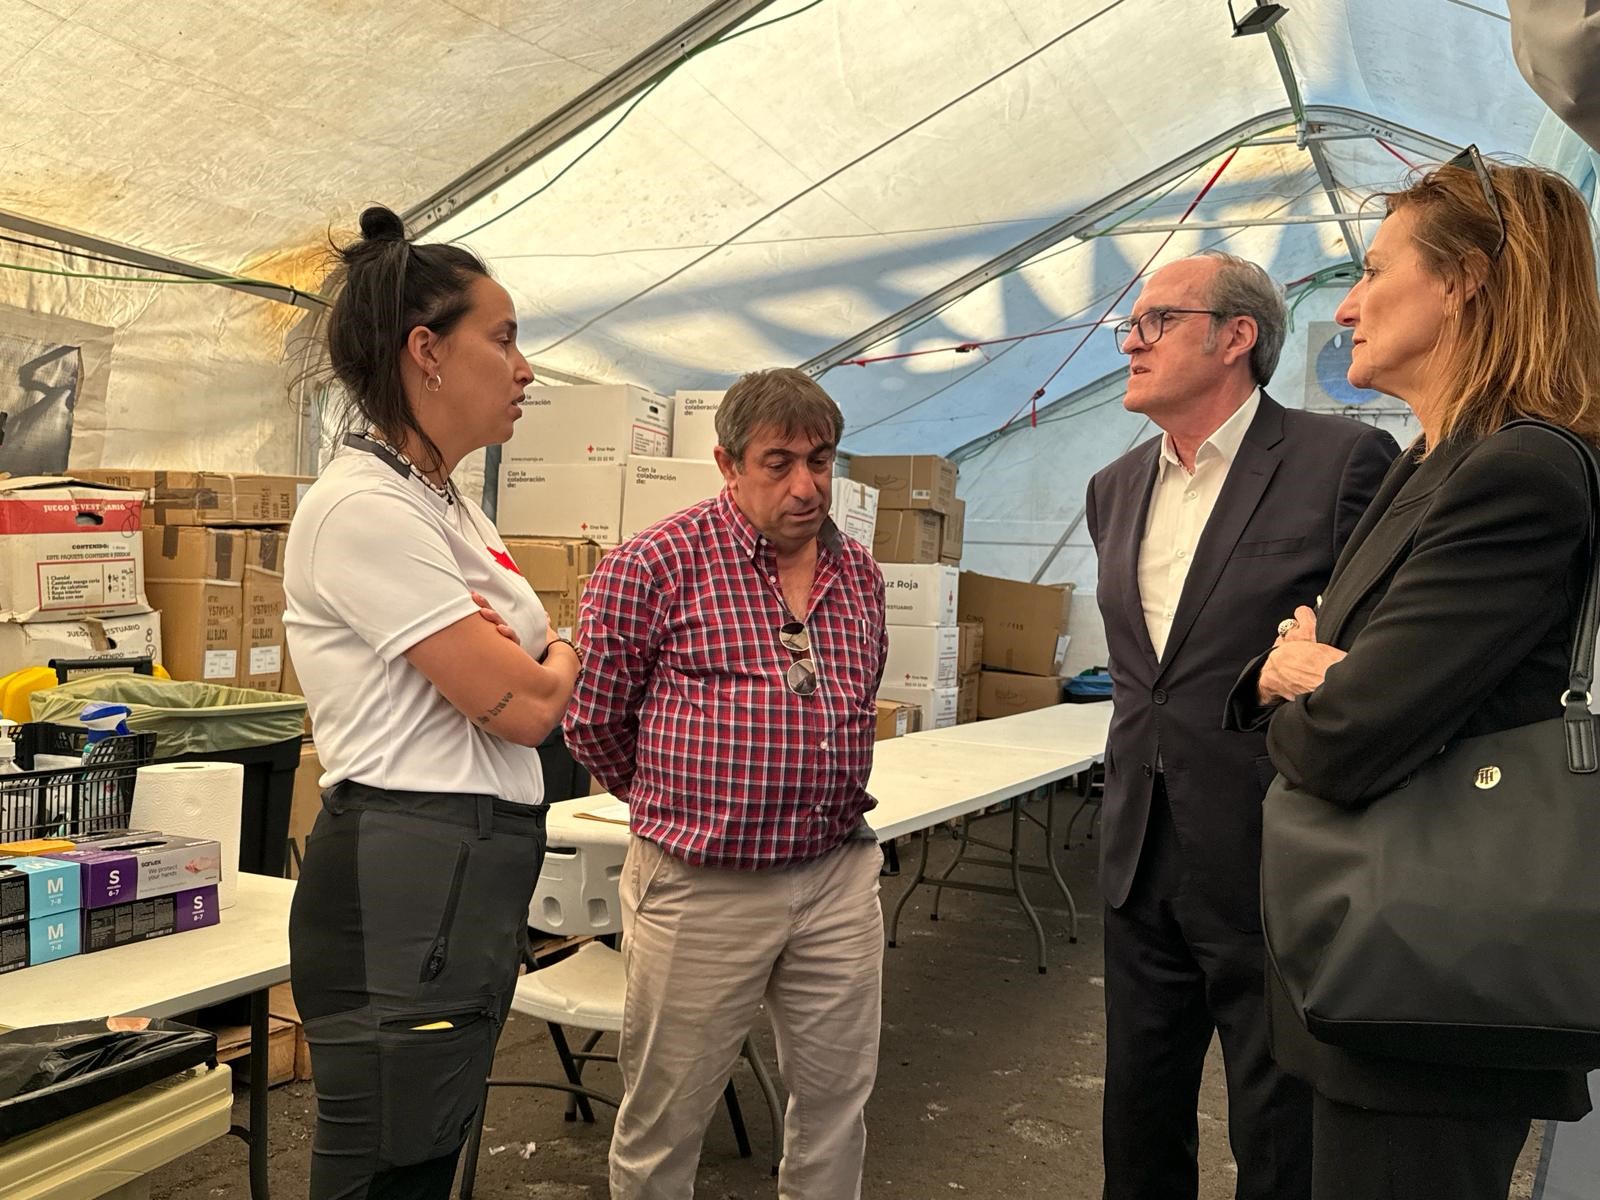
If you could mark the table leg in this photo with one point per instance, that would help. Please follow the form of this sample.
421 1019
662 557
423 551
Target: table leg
259 1070
1050 857
922 870
1016 878
962 842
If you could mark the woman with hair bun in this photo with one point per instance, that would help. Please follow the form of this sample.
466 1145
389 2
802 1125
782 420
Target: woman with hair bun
432 675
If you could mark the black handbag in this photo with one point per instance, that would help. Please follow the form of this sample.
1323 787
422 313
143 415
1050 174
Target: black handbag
1455 919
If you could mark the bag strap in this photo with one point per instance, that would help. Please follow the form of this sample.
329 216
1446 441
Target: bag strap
1583 755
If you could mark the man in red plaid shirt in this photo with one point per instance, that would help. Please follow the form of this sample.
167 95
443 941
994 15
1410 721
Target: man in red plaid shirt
732 654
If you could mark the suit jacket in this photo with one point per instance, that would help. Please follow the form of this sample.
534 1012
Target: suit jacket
1292 497
1456 600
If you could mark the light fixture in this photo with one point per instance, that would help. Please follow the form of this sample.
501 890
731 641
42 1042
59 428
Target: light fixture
1256 20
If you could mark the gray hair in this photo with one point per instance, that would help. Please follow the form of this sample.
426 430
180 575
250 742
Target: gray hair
1240 288
784 399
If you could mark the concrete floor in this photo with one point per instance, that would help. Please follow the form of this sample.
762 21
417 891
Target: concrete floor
989 1083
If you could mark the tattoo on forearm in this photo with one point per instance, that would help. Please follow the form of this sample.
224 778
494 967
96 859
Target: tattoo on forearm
496 710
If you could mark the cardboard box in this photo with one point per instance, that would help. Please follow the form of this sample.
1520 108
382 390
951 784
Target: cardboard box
694 429
143 866
967 699
53 886
562 609
202 622
261 655
141 920
971 656
554 564
855 510
920 594
14 886
923 656
33 847
894 719
209 497
563 500
938 705
655 488
35 643
908 480
599 423
907 535
13 947
56 936
1004 693
69 550
955 532
291 683
194 552
305 804
1024 624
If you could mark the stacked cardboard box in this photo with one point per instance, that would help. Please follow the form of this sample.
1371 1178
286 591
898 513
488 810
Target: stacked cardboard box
1024 644
855 510
591 462
919 518
969 667
40 911
924 641
694 430
557 569
213 558
72 579
896 719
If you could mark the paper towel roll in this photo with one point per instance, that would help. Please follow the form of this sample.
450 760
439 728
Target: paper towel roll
202 800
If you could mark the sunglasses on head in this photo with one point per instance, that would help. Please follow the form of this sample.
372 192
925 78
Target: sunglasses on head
1470 160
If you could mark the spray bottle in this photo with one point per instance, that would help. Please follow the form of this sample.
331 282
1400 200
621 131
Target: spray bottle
100 795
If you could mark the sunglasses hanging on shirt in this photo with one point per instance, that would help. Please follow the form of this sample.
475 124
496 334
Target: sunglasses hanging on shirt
802 673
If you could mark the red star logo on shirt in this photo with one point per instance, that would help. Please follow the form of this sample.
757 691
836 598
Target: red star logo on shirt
504 559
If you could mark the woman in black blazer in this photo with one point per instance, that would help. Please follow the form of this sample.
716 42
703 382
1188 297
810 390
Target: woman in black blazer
1450 613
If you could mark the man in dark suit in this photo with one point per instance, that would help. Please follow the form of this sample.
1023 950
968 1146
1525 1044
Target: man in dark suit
1207 535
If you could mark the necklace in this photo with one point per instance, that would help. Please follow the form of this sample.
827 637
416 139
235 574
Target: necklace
447 492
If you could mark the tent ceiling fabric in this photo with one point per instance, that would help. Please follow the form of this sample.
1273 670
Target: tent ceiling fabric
231 133
773 196
779 194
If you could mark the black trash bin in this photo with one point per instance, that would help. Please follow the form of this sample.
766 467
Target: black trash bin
207 722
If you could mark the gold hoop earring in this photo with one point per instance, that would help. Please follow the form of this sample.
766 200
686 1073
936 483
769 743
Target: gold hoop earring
433 383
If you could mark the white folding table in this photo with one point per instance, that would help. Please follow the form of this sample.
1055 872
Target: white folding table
927 778
243 955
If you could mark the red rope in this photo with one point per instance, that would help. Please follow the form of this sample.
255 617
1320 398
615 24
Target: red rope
1032 402
1396 153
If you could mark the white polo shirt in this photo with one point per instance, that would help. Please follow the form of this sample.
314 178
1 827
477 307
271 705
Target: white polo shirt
375 563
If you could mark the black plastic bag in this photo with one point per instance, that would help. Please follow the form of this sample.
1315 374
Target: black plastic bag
53 1071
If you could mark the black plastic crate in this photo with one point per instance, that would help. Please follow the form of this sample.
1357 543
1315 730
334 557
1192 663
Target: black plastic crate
71 801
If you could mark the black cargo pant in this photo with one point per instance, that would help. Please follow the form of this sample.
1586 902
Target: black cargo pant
408 925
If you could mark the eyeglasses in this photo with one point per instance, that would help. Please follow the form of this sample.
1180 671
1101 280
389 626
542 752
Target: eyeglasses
1470 160
1153 323
802 673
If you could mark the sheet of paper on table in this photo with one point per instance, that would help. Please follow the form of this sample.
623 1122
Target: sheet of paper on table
614 813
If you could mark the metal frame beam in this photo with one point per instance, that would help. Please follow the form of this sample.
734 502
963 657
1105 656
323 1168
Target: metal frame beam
76 239
1322 116
573 117
1341 218
1319 159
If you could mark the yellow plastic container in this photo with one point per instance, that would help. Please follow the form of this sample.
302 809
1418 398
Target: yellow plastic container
108 1150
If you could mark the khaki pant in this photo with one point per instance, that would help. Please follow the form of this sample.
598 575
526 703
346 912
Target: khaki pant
703 946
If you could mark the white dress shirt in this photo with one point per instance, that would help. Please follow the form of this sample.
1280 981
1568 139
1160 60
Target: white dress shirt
1180 506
